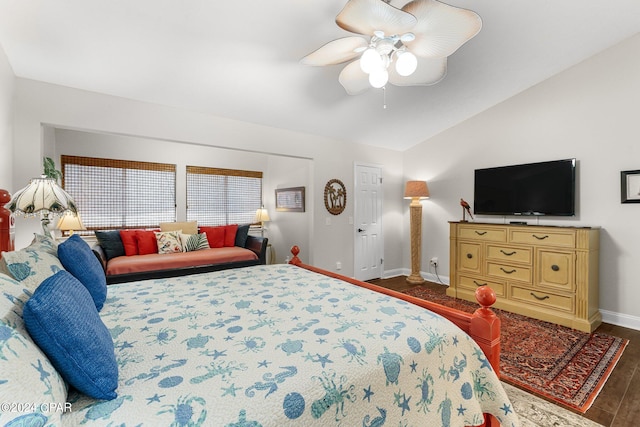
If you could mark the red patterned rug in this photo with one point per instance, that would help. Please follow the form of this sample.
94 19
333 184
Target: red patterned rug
566 366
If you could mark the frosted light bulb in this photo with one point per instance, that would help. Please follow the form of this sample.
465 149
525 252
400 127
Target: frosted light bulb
378 77
406 63
370 60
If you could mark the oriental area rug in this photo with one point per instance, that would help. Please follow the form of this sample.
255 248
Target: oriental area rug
561 364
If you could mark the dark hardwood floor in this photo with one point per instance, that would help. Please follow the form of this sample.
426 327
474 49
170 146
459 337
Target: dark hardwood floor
618 404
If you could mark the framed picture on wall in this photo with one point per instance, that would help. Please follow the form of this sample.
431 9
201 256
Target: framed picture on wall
630 186
290 199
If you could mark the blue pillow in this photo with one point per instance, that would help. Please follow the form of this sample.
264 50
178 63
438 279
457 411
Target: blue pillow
111 243
63 321
241 235
78 259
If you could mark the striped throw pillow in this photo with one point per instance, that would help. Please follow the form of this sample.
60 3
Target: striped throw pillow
194 242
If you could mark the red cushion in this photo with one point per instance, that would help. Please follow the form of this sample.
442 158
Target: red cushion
129 242
230 235
147 243
215 235
124 264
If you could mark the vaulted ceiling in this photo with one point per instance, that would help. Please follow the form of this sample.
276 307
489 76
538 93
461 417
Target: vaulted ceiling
240 60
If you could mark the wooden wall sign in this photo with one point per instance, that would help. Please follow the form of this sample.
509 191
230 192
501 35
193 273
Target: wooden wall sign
335 196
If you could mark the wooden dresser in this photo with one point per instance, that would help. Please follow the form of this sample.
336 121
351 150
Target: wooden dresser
549 273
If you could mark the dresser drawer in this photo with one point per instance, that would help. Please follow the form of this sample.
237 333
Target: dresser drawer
543 237
510 272
473 283
543 299
509 254
484 234
556 270
469 258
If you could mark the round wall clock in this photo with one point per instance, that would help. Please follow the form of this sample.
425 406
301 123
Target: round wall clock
335 196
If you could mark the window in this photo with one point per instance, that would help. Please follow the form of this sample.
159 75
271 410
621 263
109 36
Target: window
222 196
120 193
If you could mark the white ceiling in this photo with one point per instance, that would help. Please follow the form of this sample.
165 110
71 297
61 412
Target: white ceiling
240 59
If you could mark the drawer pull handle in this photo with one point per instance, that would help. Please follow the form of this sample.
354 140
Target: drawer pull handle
541 237
508 271
481 233
469 256
508 253
479 284
540 298
555 267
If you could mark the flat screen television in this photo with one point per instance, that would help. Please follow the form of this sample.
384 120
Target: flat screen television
544 188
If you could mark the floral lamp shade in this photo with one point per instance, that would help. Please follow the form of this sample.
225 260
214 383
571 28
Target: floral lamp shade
42 196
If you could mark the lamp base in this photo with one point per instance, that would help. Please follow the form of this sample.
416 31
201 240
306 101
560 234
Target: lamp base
415 279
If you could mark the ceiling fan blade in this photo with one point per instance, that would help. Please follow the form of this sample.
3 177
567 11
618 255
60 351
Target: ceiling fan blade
353 79
336 51
429 71
441 28
367 16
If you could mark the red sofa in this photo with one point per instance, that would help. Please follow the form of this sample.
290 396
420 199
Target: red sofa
154 266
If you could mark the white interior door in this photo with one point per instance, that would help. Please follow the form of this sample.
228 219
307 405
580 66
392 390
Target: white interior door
367 225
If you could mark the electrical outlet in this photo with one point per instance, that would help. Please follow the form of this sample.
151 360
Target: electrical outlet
338 265
434 261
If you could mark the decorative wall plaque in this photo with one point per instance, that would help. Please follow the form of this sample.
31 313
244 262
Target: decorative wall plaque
290 199
335 196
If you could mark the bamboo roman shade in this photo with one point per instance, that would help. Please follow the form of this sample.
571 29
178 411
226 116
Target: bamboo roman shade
120 193
218 196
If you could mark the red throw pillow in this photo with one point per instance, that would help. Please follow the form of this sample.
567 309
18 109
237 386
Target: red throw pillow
215 236
230 234
129 242
147 243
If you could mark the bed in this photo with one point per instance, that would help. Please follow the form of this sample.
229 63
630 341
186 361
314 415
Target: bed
278 345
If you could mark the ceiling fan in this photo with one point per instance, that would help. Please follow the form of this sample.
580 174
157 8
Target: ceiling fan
404 47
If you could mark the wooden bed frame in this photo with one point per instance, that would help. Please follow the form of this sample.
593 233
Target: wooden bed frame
483 325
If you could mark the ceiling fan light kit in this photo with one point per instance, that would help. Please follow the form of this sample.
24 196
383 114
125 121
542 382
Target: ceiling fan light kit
405 47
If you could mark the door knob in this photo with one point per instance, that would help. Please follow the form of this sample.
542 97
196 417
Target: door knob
360 230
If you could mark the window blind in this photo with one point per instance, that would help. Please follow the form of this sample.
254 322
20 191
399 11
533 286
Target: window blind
120 193
218 196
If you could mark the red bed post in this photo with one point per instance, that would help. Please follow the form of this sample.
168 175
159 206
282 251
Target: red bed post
485 326
295 250
6 224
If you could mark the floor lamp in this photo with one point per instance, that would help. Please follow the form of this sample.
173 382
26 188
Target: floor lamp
416 191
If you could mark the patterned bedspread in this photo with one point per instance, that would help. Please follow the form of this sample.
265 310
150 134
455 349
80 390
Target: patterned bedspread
277 345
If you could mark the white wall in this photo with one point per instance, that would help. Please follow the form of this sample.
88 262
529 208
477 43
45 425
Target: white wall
289 228
39 104
589 112
6 122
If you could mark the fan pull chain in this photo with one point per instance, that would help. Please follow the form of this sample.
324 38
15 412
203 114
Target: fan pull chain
384 97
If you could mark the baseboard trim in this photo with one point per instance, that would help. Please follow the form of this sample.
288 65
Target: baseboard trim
388 274
444 280
621 319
